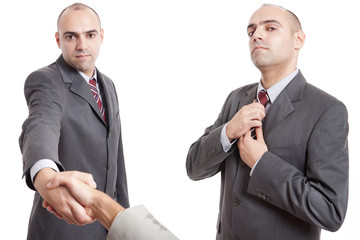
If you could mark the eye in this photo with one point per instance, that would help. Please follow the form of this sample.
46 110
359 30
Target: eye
271 29
251 32
91 35
70 37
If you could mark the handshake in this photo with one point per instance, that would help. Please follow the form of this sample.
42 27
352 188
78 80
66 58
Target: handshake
72 196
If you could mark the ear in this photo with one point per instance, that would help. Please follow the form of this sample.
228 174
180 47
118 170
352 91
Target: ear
57 37
299 39
101 35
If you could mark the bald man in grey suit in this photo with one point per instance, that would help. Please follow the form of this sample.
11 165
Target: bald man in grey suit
66 130
290 179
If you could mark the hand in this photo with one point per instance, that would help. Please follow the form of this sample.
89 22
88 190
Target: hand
97 204
80 186
251 150
59 200
246 118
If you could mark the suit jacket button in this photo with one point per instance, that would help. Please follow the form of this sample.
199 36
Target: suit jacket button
211 152
236 203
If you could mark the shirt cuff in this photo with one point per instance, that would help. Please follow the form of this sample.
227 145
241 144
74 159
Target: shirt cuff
226 144
43 163
252 170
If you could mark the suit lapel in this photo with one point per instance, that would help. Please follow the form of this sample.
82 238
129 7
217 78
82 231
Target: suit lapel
108 104
249 98
78 85
283 105
281 108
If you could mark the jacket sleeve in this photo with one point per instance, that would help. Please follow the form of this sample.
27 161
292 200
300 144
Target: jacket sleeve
41 130
320 194
206 155
137 223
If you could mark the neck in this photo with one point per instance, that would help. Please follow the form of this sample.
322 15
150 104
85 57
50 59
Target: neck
90 73
270 77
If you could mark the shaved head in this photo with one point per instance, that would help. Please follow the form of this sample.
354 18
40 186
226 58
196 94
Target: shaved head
77 7
294 20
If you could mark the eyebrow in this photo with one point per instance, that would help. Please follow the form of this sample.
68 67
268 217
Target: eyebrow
265 22
76 33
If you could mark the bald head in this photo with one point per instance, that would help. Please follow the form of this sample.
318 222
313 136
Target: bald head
293 19
77 7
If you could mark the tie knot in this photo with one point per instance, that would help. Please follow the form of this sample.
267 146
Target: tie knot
263 97
92 81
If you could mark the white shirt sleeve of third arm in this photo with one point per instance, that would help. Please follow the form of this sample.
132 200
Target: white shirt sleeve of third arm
43 163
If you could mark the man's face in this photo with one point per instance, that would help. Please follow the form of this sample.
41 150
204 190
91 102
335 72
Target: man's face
272 40
79 37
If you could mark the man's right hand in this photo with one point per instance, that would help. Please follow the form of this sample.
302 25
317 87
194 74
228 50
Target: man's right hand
245 119
97 204
60 199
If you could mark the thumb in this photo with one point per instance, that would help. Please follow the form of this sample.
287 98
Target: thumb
55 182
259 134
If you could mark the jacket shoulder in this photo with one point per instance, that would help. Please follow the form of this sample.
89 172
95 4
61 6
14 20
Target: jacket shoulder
319 97
49 70
46 79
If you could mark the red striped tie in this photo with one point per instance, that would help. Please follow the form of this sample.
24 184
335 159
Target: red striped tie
264 99
94 90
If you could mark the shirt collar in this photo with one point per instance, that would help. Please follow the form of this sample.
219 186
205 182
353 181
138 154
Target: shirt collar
86 77
277 88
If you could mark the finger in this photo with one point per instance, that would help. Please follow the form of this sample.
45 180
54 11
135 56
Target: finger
66 214
255 124
45 204
50 209
86 178
65 178
248 134
80 214
259 134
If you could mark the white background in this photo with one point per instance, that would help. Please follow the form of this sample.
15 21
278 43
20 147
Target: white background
173 63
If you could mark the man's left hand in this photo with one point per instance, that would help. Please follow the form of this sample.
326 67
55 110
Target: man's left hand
251 150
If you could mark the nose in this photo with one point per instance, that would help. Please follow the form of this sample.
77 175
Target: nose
257 35
81 43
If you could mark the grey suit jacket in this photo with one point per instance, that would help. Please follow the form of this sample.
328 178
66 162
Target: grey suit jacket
299 186
137 223
65 125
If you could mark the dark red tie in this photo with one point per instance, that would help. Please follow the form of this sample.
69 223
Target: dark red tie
264 99
95 92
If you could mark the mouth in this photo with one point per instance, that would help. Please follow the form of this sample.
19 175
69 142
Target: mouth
82 56
256 48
